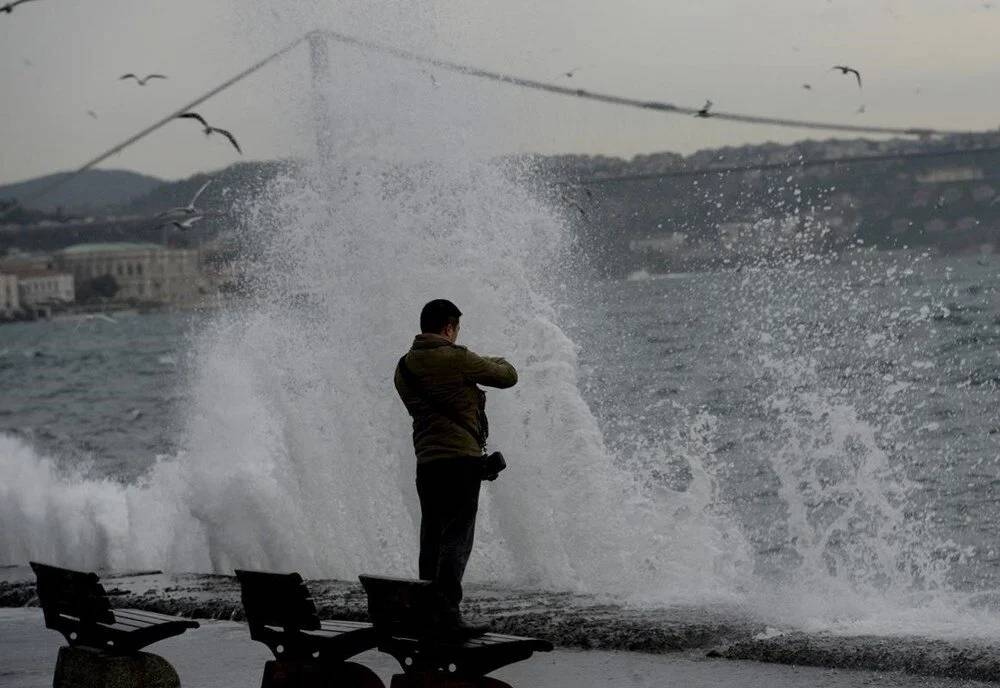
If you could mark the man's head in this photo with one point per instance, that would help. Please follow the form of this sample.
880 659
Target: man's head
440 316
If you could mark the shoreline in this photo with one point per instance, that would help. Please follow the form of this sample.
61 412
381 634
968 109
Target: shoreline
221 654
576 621
82 311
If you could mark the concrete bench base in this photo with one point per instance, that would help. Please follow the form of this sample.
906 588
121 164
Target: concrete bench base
84 667
442 680
278 674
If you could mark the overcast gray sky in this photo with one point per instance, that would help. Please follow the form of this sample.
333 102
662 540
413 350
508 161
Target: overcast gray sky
925 63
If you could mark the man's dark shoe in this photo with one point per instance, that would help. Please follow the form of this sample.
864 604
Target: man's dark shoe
458 630
471 629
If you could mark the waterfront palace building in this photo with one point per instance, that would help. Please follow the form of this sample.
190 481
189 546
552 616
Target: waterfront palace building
44 287
9 301
143 272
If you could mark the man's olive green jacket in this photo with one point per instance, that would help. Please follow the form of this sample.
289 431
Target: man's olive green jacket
449 374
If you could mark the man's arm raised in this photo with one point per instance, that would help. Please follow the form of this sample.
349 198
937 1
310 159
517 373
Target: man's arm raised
489 370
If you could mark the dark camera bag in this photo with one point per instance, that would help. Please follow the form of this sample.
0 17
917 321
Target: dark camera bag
492 465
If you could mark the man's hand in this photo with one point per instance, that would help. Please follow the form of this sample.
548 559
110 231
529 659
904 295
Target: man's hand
491 371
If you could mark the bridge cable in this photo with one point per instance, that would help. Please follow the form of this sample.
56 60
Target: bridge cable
624 101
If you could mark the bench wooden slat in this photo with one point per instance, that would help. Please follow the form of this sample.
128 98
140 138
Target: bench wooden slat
323 634
131 623
343 626
119 619
140 615
332 632
120 627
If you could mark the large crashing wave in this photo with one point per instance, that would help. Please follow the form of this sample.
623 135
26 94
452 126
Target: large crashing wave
297 452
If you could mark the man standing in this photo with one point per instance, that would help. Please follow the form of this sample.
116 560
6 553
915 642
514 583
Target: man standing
438 382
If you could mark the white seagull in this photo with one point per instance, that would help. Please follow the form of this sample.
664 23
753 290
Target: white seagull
184 225
93 317
188 209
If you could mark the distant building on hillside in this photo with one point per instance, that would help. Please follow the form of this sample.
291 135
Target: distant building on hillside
143 272
9 302
666 242
40 289
18 261
942 175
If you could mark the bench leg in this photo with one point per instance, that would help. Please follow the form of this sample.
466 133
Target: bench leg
283 674
442 680
84 667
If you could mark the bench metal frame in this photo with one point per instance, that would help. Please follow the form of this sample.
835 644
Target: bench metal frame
404 612
77 605
281 614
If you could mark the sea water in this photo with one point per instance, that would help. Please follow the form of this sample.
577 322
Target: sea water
833 424
810 435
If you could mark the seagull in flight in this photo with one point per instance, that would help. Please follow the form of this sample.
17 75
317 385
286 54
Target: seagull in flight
573 204
844 69
434 81
184 225
704 112
94 317
188 209
9 7
140 81
209 130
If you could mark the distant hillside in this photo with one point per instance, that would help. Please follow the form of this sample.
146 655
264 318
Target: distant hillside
240 180
91 191
681 221
660 211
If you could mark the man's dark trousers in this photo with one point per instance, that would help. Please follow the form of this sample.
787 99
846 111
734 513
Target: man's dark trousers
449 499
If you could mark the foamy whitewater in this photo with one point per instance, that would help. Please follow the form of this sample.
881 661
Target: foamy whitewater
295 452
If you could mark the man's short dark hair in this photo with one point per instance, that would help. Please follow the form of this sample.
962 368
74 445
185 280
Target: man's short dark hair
437 315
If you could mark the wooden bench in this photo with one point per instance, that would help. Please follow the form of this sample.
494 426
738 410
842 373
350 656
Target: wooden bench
403 612
281 614
76 604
